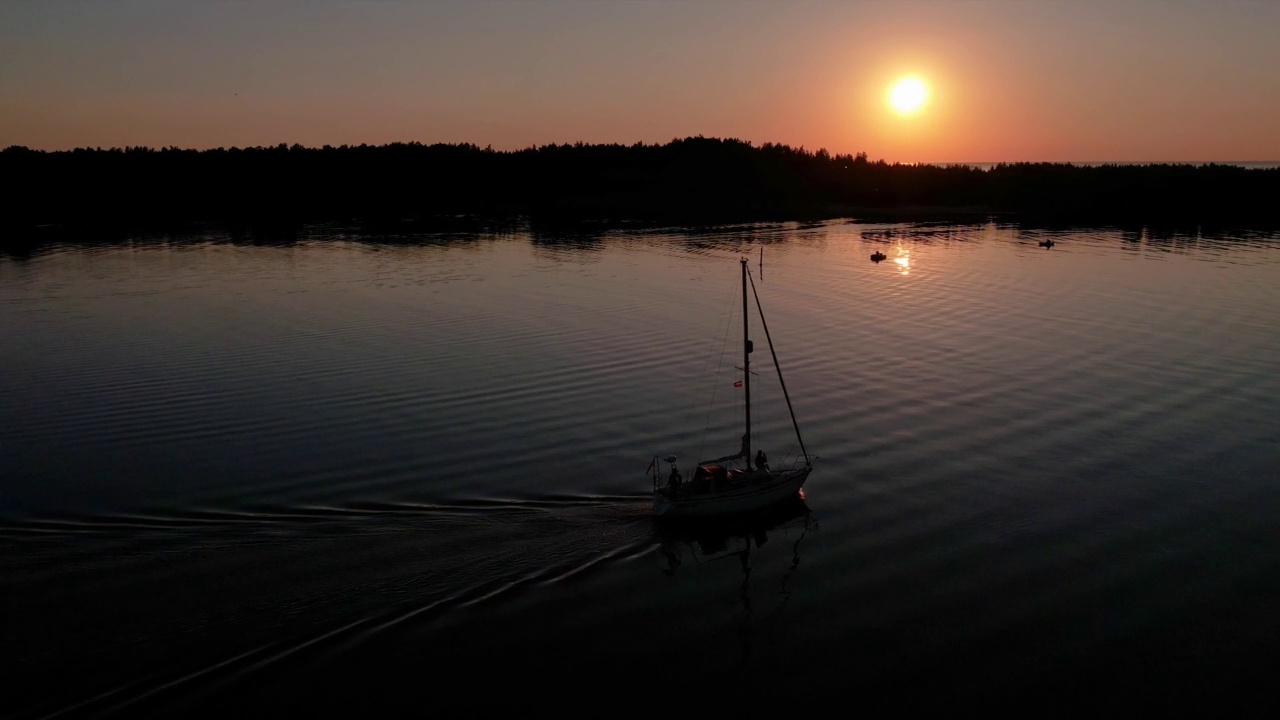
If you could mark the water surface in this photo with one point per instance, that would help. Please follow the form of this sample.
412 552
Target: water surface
347 470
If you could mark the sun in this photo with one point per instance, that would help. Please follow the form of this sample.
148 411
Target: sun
908 95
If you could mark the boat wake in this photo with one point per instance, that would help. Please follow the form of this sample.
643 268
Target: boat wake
200 519
147 610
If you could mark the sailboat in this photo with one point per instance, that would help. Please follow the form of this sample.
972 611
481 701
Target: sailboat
737 483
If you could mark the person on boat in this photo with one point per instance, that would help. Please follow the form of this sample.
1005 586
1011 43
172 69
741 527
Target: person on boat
675 480
762 461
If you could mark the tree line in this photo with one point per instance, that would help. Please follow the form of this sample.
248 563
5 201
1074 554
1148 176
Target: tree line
687 180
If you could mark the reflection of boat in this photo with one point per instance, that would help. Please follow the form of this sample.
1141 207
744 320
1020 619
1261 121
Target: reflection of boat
731 485
708 542
713 538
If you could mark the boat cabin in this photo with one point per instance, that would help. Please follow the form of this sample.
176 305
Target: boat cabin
710 472
713 477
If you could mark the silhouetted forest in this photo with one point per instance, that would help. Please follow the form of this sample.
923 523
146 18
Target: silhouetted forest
691 180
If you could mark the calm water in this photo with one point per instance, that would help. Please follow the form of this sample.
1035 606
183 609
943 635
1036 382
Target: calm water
409 472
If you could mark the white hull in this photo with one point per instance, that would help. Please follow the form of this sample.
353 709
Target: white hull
754 493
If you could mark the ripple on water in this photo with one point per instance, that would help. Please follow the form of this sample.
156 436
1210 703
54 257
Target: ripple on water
287 462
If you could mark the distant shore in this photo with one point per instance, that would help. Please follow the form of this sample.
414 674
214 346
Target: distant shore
693 180
1245 164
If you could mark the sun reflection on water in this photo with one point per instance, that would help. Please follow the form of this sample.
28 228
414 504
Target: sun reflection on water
903 260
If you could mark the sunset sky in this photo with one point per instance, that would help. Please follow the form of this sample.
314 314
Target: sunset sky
1125 80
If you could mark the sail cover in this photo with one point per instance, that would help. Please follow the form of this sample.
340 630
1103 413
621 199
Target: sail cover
742 453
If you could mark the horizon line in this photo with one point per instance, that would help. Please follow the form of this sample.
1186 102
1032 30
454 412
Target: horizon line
654 144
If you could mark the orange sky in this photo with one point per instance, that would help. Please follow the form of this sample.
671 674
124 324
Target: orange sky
1063 81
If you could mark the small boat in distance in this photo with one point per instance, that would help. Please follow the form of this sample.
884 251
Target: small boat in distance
737 483
877 256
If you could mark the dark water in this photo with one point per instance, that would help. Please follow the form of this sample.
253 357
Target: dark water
346 474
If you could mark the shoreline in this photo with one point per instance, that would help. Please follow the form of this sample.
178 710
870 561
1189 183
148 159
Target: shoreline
20 242
694 181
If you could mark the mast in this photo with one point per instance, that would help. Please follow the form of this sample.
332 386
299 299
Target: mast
777 367
746 365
